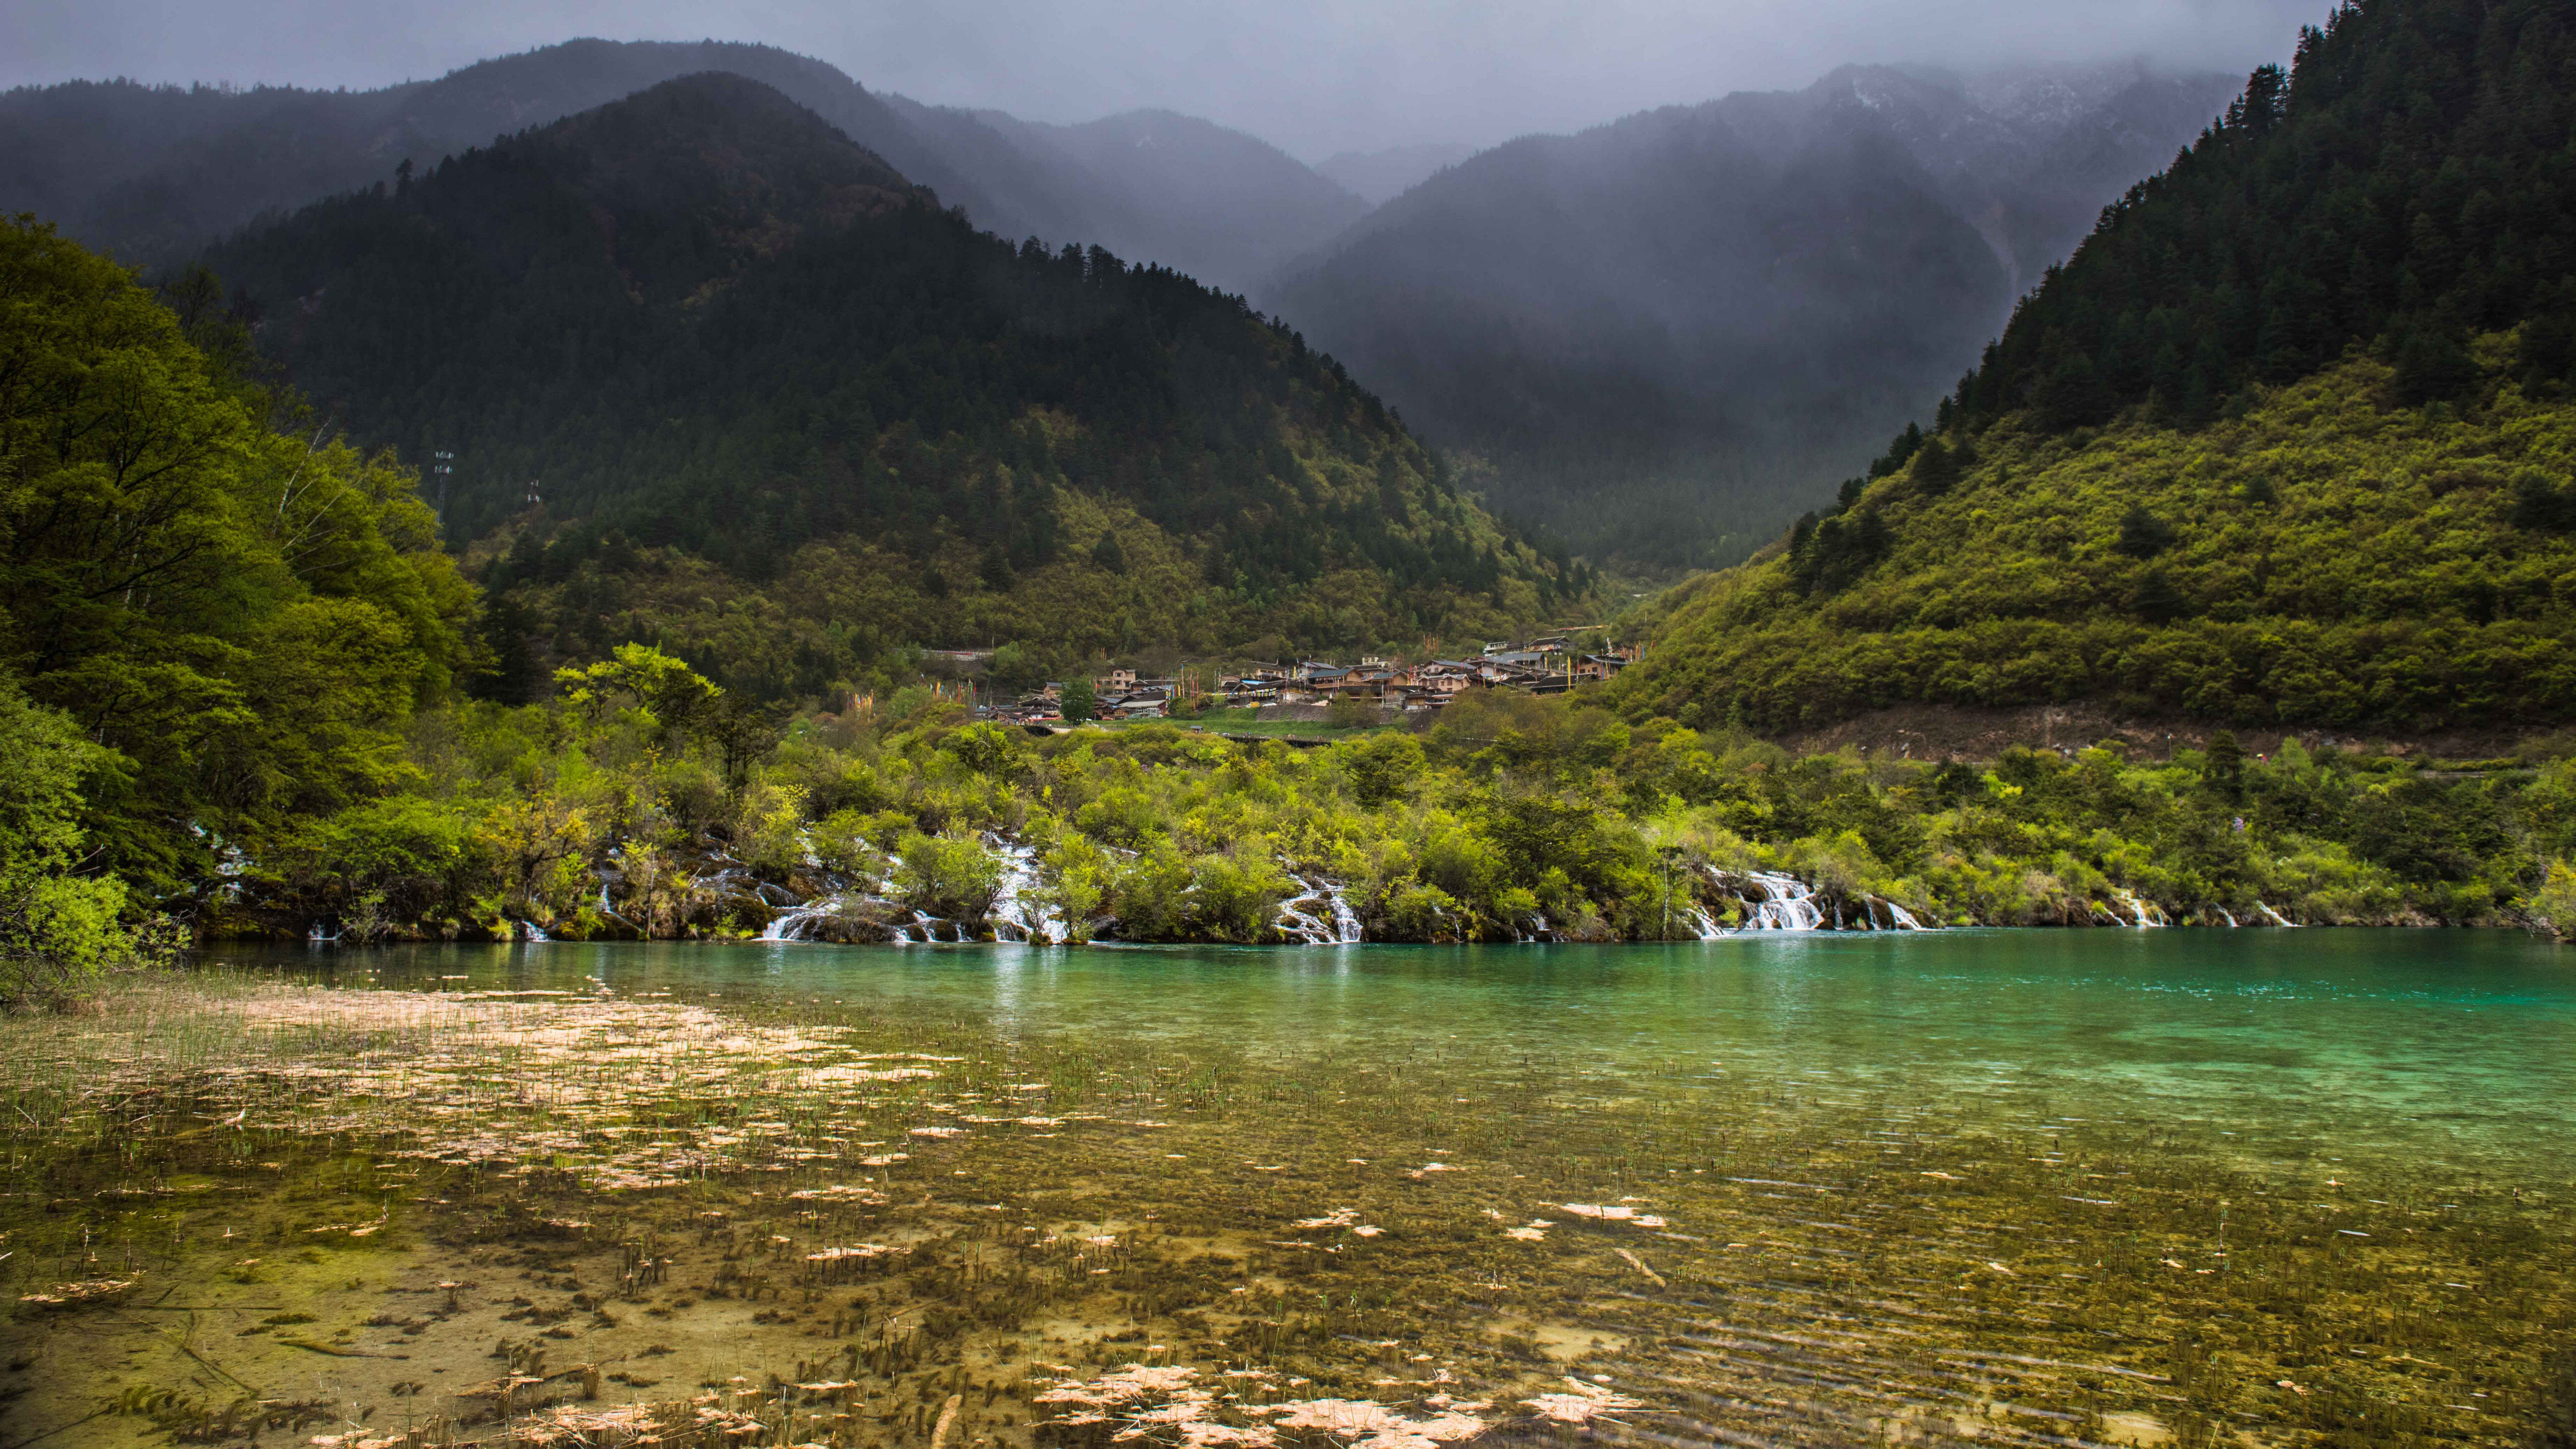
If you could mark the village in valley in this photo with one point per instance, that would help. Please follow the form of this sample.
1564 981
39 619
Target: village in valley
1379 685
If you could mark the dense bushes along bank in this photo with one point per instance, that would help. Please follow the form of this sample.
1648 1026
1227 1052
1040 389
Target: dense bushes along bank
631 807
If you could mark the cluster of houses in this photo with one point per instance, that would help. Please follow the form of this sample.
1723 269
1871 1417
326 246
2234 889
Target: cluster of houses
1542 666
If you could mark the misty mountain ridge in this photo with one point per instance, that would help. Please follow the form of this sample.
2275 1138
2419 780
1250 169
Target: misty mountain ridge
1378 177
712 372
153 173
1225 207
1665 336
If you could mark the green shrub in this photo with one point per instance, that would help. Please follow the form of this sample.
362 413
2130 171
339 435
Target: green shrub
951 876
59 931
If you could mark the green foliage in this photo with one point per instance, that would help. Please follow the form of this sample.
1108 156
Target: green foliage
1514 815
2143 535
372 868
2554 1426
2326 560
952 875
1350 712
1383 768
2553 906
59 930
241 618
1081 702
665 693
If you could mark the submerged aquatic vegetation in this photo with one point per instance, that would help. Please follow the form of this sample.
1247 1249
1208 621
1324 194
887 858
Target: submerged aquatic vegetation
536 1216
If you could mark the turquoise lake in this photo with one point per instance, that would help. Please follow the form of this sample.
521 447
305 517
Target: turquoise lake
2140 1187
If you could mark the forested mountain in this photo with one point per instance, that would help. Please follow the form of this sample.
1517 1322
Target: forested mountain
1663 335
154 172
713 374
2288 442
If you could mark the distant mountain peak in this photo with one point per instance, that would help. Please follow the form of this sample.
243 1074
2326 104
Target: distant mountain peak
1662 329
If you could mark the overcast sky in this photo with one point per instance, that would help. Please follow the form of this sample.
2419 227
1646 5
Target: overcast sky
1314 76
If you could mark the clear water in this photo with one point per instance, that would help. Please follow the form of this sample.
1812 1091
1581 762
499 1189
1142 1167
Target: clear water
2107 1187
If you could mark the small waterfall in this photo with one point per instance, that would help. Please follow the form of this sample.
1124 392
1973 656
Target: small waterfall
790 924
1787 904
2226 915
533 933
2275 917
1011 914
2144 913
315 937
1319 915
1903 919
1346 922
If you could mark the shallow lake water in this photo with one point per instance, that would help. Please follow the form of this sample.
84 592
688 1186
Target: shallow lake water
2186 1187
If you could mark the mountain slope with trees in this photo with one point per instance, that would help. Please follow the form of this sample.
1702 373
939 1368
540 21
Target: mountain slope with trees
2287 443
153 173
1659 335
713 373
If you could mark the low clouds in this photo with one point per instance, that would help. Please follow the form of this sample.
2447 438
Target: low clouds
1314 76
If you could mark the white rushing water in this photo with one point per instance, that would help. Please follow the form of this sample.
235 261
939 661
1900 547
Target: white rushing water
2143 914
1012 915
2275 917
1787 904
790 925
1319 915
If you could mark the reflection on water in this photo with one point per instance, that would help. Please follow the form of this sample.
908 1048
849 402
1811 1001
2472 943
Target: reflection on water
2138 1187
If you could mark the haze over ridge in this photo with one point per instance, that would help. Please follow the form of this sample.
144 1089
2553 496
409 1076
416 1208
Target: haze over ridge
1313 80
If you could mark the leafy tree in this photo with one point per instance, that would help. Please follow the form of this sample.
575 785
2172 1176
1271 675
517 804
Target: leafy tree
2224 766
59 930
951 876
2539 505
2553 911
995 569
1936 468
664 693
241 617
1383 767
2157 599
1081 703
2142 534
